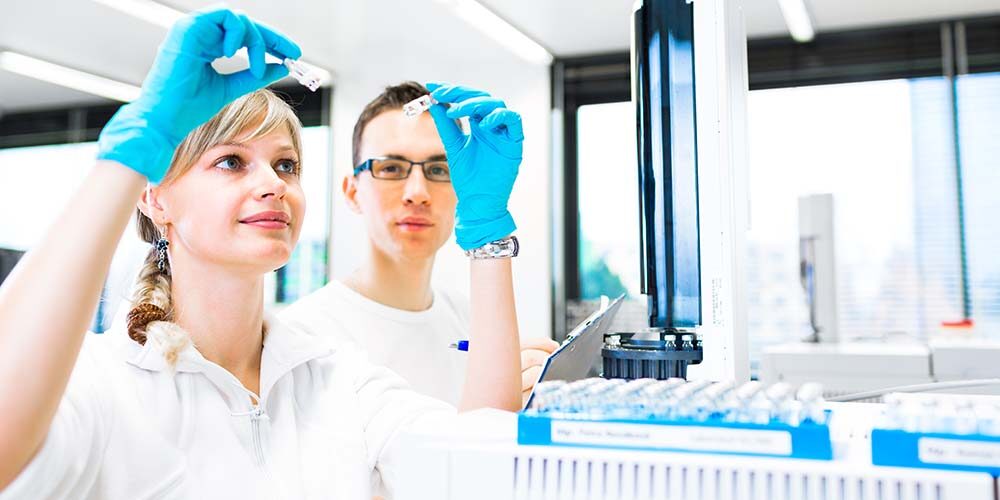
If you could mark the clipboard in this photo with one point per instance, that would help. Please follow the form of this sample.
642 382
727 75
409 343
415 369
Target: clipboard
578 353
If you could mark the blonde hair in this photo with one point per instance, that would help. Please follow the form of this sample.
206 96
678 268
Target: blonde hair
252 116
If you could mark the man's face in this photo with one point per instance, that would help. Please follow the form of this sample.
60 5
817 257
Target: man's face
410 218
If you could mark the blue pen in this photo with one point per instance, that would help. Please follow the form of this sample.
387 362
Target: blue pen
461 345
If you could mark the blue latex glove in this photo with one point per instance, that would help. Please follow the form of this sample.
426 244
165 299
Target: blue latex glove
183 91
483 164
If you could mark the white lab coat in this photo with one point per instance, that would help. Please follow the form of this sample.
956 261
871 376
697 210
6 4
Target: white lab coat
129 429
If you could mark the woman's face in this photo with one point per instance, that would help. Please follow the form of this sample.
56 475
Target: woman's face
240 206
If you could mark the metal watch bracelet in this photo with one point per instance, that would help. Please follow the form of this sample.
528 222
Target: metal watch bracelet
499 249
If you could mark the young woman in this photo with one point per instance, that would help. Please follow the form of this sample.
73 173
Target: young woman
200 395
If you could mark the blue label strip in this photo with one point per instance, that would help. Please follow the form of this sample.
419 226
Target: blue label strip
809 440
898 448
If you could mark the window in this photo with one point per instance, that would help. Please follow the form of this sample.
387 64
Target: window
306 268
979 114
607 190
878 148
37 182
904 268
33 180
886 151
594 253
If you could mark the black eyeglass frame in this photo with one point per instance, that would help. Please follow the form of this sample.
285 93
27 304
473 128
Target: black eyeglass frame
367 165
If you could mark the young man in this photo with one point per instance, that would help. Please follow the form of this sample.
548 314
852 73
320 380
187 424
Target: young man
401 187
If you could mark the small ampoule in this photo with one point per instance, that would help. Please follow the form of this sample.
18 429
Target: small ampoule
892 416
966 421
987 419
711 401
760 410
737 405
418 105
543 394
305 75
811 397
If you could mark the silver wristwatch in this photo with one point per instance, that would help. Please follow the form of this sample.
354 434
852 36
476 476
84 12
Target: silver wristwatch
499 249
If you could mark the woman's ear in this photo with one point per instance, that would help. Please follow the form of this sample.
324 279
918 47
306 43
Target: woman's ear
350 189
149 205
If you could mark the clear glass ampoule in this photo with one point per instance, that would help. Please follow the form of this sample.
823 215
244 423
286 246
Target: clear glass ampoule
305 75
418 105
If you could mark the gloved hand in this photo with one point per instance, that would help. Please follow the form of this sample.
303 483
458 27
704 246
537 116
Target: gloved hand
182 90
483 164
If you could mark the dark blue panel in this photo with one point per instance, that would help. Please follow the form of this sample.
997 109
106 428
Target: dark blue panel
663 90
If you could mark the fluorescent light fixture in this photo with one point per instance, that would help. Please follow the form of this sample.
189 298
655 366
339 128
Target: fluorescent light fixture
798 21
165 17
497 28
147 10
66 77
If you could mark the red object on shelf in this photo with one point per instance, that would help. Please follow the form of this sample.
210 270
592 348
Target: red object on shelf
965 323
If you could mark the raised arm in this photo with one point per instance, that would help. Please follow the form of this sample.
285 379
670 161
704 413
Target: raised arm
47 302
46 305
484 164
493 376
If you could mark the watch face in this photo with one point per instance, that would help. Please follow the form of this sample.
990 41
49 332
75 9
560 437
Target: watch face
507 247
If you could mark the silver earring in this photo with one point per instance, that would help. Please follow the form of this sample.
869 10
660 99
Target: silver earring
161 253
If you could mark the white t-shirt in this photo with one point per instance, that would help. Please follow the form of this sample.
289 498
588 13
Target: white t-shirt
129 429
412 344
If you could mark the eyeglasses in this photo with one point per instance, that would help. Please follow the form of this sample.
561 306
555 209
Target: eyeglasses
397 169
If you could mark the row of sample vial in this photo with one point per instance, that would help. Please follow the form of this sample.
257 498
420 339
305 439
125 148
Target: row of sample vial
676 399
942 413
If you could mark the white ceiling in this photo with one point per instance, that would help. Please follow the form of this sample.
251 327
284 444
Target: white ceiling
349 36
573 27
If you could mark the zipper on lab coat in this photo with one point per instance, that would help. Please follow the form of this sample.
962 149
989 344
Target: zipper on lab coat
255 435
257 415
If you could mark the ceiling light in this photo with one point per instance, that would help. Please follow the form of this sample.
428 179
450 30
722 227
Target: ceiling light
147 10
497 28
66 77
797 18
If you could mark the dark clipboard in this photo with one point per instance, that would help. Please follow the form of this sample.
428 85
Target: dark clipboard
577 354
